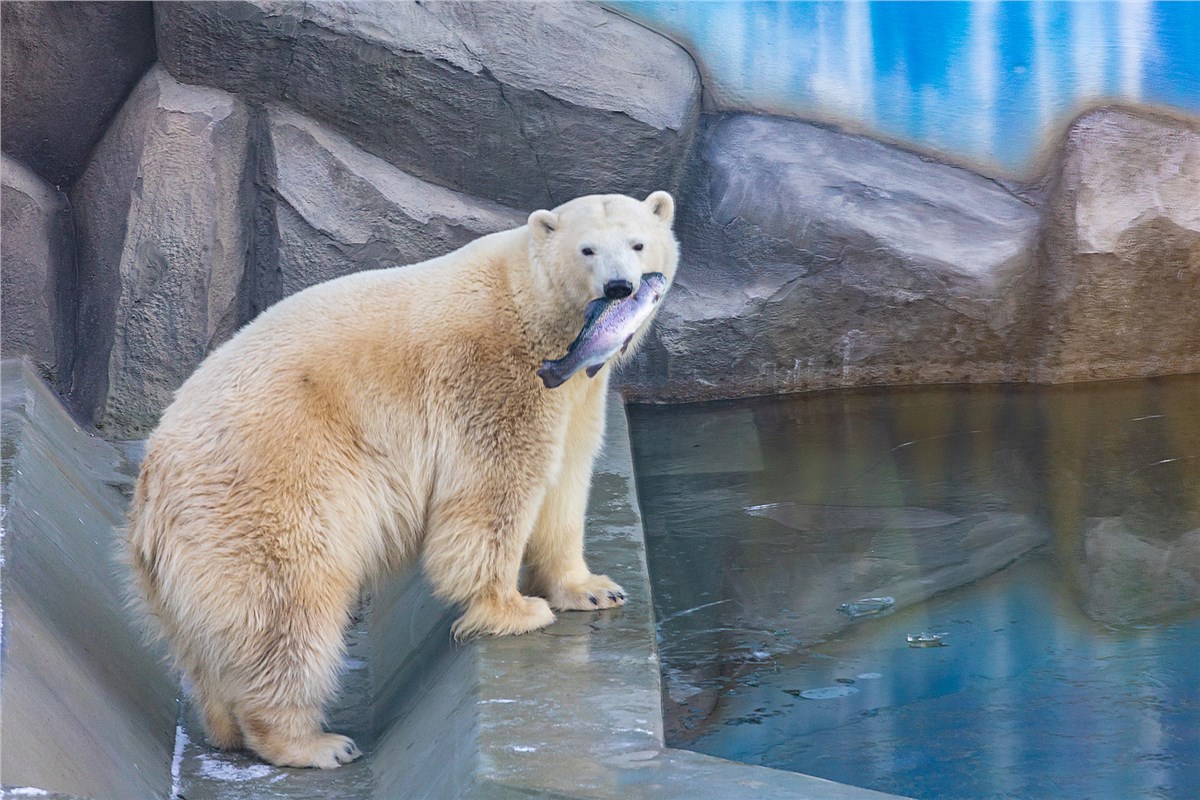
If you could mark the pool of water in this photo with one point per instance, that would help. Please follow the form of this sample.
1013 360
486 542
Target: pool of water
1047 538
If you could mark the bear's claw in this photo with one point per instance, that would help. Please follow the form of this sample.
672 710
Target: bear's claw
592 593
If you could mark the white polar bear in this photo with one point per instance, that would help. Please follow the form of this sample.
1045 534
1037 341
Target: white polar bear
364 422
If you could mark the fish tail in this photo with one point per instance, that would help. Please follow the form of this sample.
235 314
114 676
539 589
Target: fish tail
550 374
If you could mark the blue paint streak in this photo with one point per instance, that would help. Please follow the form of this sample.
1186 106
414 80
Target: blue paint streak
981 79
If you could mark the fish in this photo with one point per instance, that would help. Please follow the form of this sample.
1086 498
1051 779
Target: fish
608 327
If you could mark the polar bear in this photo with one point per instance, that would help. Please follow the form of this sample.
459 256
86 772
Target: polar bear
368 421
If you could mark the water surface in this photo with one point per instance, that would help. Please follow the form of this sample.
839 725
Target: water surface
1051 536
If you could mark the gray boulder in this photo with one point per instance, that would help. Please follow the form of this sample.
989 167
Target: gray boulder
161 222
334 209
816 259
37 281
67 67
1120 270
528 104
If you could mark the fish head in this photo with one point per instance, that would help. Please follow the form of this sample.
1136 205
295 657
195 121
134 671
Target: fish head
655 284
600 246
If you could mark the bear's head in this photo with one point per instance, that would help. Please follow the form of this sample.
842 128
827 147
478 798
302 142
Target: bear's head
601 245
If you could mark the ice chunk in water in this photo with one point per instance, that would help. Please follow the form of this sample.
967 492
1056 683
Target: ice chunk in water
867 607
926 640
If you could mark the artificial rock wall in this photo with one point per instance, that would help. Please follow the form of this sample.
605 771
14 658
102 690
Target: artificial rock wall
171 171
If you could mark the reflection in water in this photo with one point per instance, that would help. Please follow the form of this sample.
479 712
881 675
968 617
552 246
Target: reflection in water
982 78
1049 536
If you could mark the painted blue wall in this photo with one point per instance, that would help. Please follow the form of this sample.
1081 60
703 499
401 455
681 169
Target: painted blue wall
981 79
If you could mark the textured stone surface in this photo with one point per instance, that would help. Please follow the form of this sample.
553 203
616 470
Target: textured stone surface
815 259
67 67
37 281
337 209
161 220
1120 266
89 710
528 104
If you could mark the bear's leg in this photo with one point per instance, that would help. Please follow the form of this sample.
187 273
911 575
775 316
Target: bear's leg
291 736
557 570
216 713
473 546
291 671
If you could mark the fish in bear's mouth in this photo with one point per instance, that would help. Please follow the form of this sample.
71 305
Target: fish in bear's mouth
608 327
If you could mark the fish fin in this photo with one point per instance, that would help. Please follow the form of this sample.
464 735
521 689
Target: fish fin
590 310
594 368
625 346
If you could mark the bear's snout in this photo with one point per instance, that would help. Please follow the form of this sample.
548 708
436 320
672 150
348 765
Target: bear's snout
616 289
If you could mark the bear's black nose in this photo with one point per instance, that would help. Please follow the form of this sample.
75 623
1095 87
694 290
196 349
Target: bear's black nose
615 290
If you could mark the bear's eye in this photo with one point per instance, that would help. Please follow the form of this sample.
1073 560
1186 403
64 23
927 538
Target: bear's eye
587 251
638 247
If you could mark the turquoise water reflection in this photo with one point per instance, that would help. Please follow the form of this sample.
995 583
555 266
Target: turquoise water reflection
1052 535
980 79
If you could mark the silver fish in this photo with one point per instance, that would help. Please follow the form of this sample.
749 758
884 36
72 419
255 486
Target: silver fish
608 327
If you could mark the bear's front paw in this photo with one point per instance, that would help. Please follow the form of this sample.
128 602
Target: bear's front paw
513 615
589 594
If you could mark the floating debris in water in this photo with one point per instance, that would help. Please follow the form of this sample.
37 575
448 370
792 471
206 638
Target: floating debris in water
869 676
867 607
823 692
926 640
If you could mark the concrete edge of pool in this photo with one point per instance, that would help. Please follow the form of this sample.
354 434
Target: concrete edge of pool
572 711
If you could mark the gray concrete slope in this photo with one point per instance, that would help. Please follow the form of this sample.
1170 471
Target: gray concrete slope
88 709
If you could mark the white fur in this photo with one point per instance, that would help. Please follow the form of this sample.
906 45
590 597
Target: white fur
365 422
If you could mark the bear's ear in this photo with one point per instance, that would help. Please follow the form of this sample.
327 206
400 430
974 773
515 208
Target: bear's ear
662 205
541 224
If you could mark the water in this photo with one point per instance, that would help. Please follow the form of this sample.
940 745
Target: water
1049 538
982 79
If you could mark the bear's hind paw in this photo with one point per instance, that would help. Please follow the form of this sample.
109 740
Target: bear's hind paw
325 751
